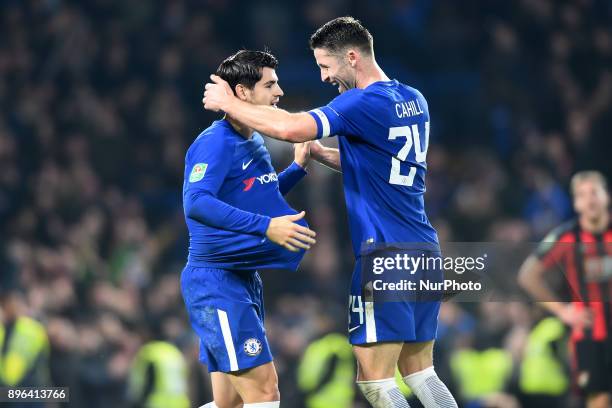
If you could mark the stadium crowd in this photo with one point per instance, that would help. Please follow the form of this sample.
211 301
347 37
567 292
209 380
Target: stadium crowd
100 100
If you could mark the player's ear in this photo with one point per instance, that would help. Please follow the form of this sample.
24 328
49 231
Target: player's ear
352 56
242 92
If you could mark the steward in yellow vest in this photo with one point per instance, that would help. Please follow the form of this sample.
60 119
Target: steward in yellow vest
24 346
158 378
480 374
326 374
541 371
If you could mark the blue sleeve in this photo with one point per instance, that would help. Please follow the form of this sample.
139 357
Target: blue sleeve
333 119
207 165
289 177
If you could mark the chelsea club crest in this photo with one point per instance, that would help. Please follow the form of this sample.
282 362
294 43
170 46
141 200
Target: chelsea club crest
252 347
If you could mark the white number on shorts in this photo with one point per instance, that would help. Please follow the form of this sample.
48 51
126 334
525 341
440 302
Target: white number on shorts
358 309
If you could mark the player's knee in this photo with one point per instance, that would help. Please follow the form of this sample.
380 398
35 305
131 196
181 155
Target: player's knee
376 362
268 390
229 402
414 365
273 396
372 372
271 392
415 358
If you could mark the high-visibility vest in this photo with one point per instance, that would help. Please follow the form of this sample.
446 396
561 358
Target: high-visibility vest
481 373
170 371
337 391
541 372
27 342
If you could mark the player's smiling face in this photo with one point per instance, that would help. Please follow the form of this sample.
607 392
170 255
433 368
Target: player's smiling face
334 69
266 91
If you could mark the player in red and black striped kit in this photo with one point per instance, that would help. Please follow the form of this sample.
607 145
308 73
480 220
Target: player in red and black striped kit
582 249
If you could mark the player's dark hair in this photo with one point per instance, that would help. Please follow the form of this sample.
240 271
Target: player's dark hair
342 32
246 67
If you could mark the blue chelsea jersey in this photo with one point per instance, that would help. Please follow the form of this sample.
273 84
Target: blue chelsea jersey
230 192
383 138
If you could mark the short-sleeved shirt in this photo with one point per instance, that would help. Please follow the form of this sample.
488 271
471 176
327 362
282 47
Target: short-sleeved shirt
383 136
584 259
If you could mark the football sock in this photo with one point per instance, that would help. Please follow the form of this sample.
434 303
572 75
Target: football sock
429 389
383 393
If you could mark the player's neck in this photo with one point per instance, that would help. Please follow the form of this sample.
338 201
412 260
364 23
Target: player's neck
595 225
371 73
244 131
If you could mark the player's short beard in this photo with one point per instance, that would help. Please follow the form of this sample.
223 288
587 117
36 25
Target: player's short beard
343 85
347 81
345 78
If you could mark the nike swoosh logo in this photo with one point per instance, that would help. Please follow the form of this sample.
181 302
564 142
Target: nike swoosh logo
352 329
244 166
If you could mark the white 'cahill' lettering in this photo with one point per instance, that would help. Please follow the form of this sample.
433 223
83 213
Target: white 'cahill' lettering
408 109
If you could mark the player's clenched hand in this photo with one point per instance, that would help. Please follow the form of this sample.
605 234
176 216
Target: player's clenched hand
575 317
217 94
285 232
302 153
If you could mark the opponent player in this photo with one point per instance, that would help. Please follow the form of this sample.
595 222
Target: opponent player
238 223
583 249
383 129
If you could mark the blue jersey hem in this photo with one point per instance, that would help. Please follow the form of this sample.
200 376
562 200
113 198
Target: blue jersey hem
246 267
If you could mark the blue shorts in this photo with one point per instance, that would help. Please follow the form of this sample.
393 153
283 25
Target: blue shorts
226 311
375 322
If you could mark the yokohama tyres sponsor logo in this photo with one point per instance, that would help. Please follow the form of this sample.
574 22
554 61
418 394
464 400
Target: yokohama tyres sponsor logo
248 183
264 179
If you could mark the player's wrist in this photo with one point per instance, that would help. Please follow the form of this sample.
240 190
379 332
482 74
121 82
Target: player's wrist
317 150
229 104
321 153
301 163
556 308
264 225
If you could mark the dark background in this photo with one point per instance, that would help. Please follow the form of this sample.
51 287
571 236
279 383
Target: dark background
100 100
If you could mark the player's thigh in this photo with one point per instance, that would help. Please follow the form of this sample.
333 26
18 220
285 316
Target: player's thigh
258 384
415 356
224 393
377 361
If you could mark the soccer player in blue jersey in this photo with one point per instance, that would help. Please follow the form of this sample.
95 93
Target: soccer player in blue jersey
239 223
383 132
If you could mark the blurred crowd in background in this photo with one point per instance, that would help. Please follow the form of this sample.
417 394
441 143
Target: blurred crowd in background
100 100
